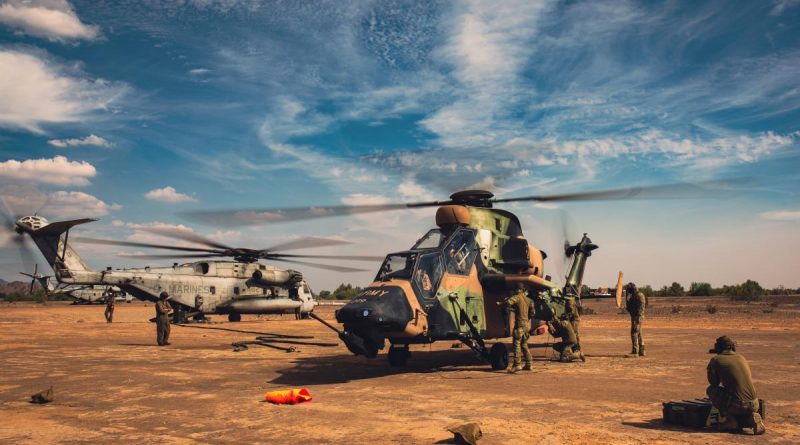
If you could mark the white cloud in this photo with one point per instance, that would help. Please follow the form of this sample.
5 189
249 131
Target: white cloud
54 20
58 171
168 194
36 91
63 204
88 140
198 71
782 215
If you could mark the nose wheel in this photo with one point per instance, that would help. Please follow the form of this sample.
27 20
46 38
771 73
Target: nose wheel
399 355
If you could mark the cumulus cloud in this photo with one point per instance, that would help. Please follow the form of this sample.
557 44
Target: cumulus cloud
168 194
782 215
64 204
37 91
88 140
57 171
54 20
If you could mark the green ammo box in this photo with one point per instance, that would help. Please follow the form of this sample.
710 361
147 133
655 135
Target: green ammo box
697 413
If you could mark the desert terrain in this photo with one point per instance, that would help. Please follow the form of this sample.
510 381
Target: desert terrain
113 385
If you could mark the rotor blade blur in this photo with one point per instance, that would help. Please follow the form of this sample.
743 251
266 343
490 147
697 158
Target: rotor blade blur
322 266
5 213
138 244
186 236
331 257
248 217
168 256
25 253
305 243
684 190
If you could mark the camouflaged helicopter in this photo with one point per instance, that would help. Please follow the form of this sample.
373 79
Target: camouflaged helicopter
241 286
447 286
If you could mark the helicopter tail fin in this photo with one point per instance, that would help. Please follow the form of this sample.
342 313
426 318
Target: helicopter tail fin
52 241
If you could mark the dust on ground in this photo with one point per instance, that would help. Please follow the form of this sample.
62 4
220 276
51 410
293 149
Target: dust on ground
113 384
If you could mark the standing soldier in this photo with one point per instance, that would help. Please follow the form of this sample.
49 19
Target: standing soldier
163 309
635 304
521 305
574 317
110 301
731 388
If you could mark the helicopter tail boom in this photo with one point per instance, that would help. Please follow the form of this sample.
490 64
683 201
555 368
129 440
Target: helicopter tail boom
52 241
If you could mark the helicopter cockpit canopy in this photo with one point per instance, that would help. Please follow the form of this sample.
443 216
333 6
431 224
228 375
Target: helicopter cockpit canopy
432 256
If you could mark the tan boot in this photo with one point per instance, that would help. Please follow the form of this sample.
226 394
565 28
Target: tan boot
514 369
730 424
527 367
758 428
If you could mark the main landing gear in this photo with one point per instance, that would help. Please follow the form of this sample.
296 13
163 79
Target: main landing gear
399 355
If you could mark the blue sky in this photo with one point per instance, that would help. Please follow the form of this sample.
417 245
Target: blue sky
132 113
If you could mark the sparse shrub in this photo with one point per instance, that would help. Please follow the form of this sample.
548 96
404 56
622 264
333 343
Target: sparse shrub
700 290
711 309
676 309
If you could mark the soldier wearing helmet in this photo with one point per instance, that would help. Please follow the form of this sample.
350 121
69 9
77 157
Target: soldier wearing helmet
163 310
635 303
731 388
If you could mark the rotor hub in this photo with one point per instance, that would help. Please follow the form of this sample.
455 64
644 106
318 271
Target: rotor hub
474 198
30 223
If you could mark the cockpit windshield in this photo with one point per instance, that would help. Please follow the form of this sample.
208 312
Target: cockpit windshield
397 266
431 240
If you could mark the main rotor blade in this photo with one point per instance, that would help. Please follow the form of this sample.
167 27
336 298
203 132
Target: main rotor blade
328 257
248 217
684 190
305 243
25 252
192 237
109 242
169 256
321 266
6 215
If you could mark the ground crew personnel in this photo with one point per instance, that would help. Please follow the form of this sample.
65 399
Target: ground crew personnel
635 302
110 301
562 328
574 317
163 309
521 305
731 388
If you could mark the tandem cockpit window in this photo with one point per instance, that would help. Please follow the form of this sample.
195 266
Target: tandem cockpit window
460 252
432 240
427 274
397 266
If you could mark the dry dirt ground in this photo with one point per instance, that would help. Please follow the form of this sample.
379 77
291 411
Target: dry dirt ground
113 385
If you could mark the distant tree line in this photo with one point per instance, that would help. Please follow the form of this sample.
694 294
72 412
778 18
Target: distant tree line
38 296
750 290
345 291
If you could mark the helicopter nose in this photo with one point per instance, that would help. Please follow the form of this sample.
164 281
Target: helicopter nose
385 307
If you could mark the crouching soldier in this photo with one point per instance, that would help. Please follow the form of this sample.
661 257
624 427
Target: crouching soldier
562 328
731 388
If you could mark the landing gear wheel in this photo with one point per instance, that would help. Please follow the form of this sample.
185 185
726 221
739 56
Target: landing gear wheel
234 318
398 355
498 356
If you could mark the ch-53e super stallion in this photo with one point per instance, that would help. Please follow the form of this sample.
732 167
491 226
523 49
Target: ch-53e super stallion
447 286
241 286
81 294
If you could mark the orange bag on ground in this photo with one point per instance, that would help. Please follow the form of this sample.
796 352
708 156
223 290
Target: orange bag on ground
289 396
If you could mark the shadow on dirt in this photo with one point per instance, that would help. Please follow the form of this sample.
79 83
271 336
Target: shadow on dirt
658 424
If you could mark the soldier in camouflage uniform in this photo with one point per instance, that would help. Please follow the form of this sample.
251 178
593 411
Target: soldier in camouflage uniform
731 388
574 317
635 304
521 305
110 301
562 328
163 309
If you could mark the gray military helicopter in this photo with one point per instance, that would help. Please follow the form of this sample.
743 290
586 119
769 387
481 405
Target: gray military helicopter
233 288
